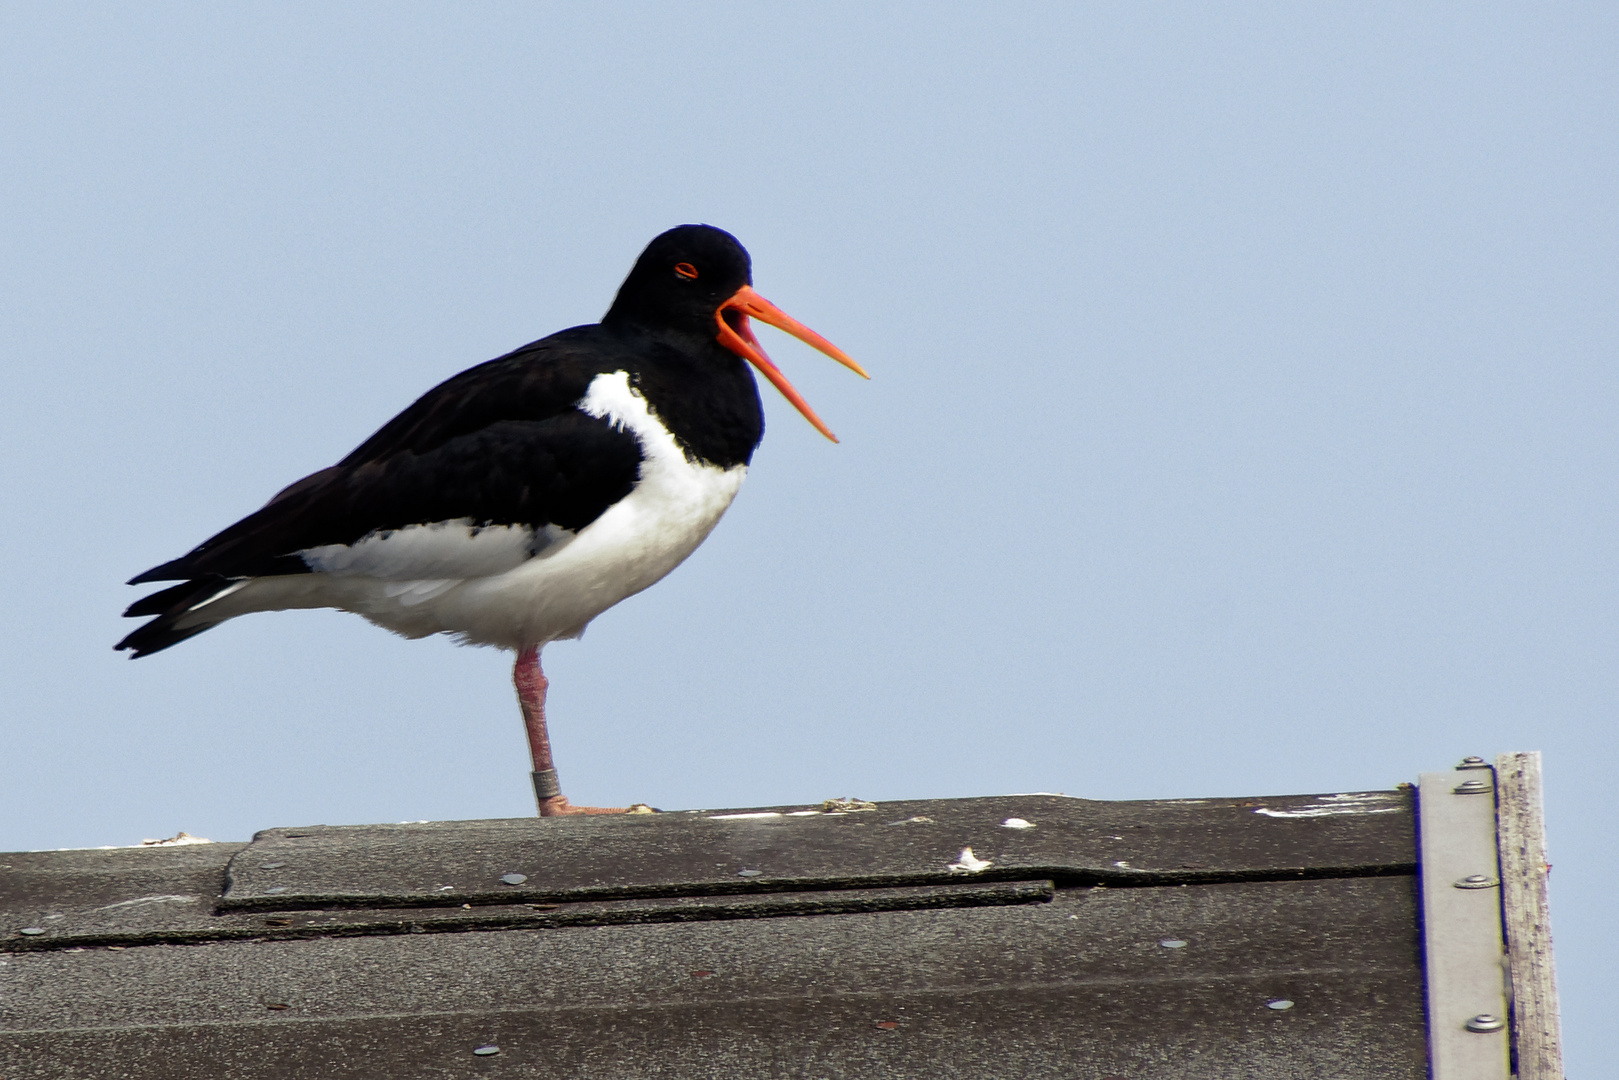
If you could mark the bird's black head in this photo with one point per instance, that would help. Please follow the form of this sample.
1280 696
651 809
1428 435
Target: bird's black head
681 279
697 280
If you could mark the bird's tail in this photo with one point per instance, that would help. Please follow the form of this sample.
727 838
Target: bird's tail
172 606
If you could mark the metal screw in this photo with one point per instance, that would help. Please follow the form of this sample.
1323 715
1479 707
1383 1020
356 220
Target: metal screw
486 1051
1279 1004
1172 943
513 879
1484 1022
1473 787
32 931
1473 761
750 873
1477 881
271 865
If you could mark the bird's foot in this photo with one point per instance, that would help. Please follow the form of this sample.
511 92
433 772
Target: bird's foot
559 806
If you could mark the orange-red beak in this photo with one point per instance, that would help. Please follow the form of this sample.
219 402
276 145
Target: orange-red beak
741 341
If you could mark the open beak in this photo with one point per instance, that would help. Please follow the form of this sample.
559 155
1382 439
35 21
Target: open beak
741 341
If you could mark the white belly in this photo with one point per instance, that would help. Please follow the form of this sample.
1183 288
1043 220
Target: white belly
408 581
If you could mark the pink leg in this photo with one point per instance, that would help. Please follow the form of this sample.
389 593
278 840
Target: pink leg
531 686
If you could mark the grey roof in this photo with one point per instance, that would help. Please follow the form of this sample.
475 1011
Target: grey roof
1264 937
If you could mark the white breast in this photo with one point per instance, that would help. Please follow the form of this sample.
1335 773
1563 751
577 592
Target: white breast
480 584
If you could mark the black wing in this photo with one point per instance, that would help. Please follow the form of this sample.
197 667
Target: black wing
500 444
565 471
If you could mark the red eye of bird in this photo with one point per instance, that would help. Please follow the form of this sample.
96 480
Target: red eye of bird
686 270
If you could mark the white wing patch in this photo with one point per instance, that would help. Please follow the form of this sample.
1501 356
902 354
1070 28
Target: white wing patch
411 593
439 553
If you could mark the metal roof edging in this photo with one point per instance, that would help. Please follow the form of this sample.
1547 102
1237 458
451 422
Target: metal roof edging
1465 957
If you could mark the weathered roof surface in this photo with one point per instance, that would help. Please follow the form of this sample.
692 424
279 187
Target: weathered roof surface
928 939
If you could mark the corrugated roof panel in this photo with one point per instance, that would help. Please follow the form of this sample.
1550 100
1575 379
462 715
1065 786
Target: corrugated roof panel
1013 936
703 852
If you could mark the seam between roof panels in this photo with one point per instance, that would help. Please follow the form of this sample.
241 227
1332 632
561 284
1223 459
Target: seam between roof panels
1062 875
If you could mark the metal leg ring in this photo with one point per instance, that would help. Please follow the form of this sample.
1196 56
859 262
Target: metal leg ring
546 785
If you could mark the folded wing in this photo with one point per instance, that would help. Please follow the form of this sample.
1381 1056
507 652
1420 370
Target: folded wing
484 472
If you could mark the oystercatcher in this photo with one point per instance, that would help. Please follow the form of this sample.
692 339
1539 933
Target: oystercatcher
520 499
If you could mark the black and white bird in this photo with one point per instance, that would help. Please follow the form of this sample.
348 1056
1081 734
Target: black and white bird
520 499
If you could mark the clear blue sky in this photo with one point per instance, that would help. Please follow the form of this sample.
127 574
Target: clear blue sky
1242 418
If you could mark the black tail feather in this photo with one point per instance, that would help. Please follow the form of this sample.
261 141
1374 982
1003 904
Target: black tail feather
158 635
181 597
173 570
169 605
